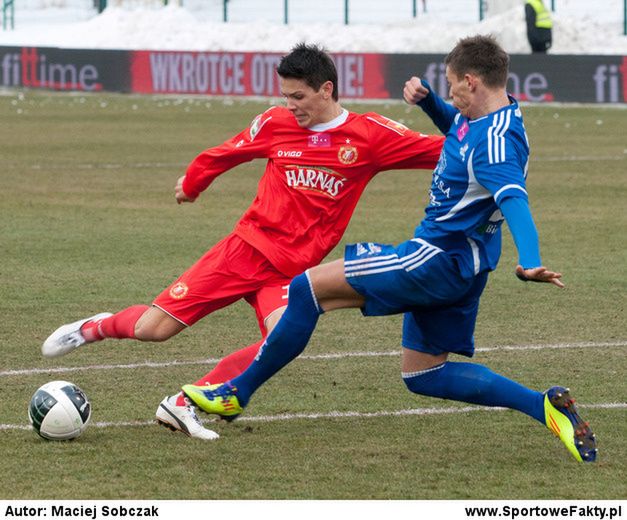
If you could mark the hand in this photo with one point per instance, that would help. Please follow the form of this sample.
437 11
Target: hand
414 91
179 194
539 274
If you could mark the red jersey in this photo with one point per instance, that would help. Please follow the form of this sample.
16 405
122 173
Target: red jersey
312 181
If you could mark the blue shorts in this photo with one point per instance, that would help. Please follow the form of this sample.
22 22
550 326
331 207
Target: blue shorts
425 283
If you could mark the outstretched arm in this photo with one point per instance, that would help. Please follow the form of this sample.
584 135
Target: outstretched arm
518 216
418 92
251 143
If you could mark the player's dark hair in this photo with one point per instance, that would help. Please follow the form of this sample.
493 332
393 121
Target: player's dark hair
480 55
309 63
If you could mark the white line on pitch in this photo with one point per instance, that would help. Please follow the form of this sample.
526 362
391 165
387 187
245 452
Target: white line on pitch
342 355
335 415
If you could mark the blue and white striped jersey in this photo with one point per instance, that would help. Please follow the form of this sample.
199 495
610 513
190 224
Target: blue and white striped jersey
483 162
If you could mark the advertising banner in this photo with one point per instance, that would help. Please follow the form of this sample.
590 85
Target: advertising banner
64 69
580 79
244 73
533 78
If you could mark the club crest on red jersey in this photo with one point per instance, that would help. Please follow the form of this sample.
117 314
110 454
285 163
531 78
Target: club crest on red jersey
179 290
347 154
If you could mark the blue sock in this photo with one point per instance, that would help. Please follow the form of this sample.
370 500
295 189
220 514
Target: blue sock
286 341
477 384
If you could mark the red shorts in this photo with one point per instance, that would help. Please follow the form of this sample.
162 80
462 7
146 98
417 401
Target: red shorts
229 271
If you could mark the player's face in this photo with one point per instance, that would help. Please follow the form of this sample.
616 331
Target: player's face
459 92
310 107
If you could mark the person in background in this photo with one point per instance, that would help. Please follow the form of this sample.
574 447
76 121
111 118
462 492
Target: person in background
539 26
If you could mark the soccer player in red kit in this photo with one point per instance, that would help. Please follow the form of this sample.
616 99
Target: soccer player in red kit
320 157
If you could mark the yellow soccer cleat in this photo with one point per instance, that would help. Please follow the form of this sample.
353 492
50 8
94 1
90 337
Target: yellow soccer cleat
561 417
219 399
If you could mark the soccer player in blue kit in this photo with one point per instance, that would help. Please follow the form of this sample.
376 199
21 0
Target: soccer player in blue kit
437 277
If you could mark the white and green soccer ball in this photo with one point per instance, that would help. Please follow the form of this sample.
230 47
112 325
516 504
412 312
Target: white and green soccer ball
59 411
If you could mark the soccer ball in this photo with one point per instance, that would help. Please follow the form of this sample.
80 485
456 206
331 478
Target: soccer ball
59 411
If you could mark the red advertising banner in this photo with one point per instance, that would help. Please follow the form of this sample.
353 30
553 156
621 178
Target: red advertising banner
244 74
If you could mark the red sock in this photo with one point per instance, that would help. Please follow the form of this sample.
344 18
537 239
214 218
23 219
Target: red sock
232 365
120 325
229 367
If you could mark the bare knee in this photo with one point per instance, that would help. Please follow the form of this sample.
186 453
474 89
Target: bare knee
414 361
156 325
273 318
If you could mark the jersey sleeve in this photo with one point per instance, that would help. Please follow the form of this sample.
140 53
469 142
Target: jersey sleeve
252 143
500 165
394 146
520 222
441 113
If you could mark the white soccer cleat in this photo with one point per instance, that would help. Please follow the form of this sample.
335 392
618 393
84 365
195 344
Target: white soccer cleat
183 419
68 337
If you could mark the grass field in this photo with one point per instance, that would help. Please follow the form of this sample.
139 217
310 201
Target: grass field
89 223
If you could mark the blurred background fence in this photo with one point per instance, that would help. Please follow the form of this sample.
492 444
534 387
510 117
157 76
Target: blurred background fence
376 11
325 11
